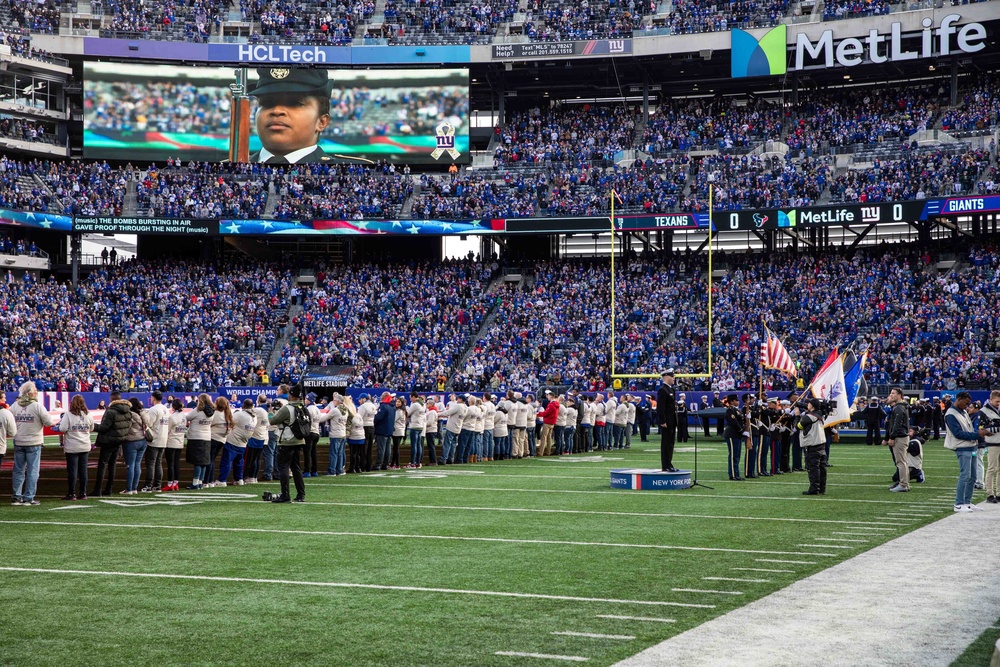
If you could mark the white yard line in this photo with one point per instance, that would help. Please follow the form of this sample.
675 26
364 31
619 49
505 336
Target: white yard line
842 615
831 546
339 584
709 592
543 656
636 618
759 569
331 533
749 581
593 635
611 492
837 539
464 508
790 562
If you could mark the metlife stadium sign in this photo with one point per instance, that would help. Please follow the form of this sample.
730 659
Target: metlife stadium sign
761 53
947 38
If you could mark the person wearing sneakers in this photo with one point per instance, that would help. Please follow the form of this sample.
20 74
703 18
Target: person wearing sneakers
455 414
431 430
897 436
222 424
415 415
135 446
199 437
31 419
355 434
159 424
234 451
961 438
255 445
991 412
176 429
76 426
338 416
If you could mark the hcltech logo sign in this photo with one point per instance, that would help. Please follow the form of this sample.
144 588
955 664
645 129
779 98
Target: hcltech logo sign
759 57
767 55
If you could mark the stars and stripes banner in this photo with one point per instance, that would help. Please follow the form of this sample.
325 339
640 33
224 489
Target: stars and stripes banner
773 355
62 223
352 227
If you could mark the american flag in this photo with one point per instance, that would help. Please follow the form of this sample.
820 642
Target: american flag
774 355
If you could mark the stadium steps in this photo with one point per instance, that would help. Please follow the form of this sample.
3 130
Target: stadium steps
495 286
130 204
31 182
272 200
283 338
412 198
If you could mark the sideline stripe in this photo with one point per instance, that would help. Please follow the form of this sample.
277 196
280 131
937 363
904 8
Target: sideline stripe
593 635
748 581
339 584
673 515
544 656
331 533
700 590
759 569
637 618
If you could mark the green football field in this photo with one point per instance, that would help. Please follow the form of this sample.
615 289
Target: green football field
461 565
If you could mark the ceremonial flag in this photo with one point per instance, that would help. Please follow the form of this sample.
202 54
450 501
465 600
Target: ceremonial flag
774 355
829 384
854 379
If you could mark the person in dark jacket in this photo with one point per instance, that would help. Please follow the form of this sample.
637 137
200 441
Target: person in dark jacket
873 420
897 436
666 417
385 421
734 432
111 433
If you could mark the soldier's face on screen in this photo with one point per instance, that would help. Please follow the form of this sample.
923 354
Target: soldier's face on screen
287 122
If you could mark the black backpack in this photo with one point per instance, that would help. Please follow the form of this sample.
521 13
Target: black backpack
301 423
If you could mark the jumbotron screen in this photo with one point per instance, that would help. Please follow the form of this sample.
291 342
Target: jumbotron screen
151 112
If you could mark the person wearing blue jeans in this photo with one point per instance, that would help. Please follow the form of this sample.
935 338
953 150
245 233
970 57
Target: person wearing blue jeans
568 435
337 456
963 438
449 446
134 449
464 446
25 476
587 437
268 455
416 446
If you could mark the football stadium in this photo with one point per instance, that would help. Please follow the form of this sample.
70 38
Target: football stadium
447 333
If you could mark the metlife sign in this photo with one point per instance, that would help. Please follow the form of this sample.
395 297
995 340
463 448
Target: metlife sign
756 53
948 37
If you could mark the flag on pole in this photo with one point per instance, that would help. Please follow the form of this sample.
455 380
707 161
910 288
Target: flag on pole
774 355
829 384
854 379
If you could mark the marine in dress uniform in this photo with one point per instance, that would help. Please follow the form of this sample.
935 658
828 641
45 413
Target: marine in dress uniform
666 417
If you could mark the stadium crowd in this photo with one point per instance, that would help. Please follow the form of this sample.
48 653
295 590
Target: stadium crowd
143 325
920 174
398 325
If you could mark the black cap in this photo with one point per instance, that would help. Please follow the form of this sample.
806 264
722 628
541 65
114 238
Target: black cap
290 80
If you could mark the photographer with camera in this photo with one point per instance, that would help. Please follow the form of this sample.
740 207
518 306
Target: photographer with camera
293 422
812 440
989 418
897 436
962 438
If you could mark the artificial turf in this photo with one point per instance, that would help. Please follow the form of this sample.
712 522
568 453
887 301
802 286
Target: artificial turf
567 534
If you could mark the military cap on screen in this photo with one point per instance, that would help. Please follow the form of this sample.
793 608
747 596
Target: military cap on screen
669 371
275 80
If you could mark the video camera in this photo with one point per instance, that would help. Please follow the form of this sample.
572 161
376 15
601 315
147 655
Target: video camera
992 426
822 406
